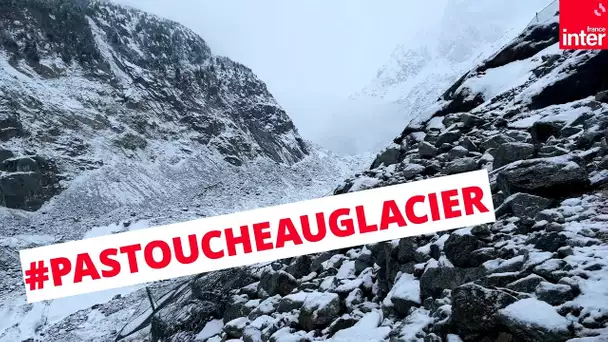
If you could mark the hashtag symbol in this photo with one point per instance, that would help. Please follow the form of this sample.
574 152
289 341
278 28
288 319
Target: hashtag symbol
36 275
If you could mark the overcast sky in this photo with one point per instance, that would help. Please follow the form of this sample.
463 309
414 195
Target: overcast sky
309 52
323 47
313 54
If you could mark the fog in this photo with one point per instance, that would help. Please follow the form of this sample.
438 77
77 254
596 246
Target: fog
313 54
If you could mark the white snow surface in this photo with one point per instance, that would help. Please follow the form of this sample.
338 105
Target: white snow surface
536 313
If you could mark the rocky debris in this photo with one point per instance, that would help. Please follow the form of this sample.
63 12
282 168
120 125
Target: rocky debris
546 177
536 274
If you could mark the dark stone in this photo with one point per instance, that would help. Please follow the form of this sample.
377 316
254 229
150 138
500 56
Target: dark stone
363 261
481 230
448 138
470 120
458 249
527 284
550 215
236 307
543 130
511 152
533 332
406 250
523 205
468 144
341 323
479 256
550 178
5 154
499 279
317 314
390 156
427 150
434 280
300 267
276 282
496 141
461 165
457 152
475 308
554 294
319 259
551 242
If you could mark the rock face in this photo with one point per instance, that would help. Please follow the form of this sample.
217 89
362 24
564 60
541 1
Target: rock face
115 84
27 182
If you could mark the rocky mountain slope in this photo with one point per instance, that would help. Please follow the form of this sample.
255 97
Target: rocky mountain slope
536 118
112 119
87 85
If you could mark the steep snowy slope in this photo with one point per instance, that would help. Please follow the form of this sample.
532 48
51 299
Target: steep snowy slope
419 70
113 119
84 86
537 118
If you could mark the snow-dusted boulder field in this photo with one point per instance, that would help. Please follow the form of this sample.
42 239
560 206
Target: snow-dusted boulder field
534 116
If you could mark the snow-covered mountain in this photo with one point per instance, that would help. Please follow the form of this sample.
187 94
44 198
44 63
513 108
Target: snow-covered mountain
85 86
433 58
534 116
112 119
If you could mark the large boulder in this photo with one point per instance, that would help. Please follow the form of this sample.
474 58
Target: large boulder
458 249
276 282
426 150
319 309
436 279
475 308
404 294
461 165
389 156
534 320
555 177
523 205
511 152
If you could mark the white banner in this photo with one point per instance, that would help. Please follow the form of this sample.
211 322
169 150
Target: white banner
257 236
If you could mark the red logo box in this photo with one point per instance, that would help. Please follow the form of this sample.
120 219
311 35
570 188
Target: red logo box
583 24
